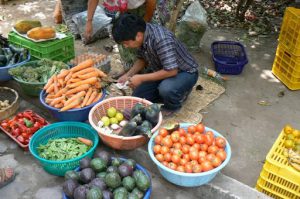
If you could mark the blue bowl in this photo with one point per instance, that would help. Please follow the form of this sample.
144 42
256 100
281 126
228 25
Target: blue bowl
77 114
4 75
188 179
138 167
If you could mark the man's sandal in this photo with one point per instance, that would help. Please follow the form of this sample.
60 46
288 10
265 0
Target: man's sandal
7 175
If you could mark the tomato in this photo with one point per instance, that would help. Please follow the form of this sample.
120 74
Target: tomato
201 159
187 157
160 157
220 142
206 166
210 133
194 155
21 139
208 140
210 157
172 166
188 168
168 157
182 140
193 162
190 140
165 163
177 152
196 146
193 149
158 139
175 136
180 168
177 145
183 161
163 132
200 139
156 149
167 142
197 168
176 159
202 154
200 128
212 149
222 155
203 147
164 150
185 148
181 131
191 129
216 162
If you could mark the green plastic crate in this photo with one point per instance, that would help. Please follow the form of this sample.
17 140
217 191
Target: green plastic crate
58 49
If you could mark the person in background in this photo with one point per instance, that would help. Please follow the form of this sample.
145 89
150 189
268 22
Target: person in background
7 175
170 71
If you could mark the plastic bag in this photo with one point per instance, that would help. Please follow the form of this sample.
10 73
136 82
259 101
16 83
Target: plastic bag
100 24
192 26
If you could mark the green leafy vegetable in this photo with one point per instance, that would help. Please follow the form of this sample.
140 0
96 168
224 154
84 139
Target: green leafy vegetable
62 149
27 122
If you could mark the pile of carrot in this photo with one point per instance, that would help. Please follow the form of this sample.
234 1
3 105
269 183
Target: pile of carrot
77 87
97 58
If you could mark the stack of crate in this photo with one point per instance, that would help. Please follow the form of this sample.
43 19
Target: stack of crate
277 178
286 66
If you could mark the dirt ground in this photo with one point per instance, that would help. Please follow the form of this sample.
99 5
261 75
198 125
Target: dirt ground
250 128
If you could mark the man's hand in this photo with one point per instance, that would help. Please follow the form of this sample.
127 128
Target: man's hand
88 30
135 81
123 78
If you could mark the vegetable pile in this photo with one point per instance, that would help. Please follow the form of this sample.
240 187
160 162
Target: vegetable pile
191 151
23 125
74 88
37 71
4 104
12 55
63 149
136 121
292 146
106 177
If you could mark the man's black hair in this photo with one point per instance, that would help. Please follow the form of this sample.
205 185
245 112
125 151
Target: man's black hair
127 26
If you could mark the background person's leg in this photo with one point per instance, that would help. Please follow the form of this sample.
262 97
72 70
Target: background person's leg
174 90
148 90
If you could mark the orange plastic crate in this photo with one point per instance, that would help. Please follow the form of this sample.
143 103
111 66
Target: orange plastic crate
277 178
290 30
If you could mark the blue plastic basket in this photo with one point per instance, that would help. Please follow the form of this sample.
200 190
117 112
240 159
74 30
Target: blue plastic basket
62 130
229 57
138 167
4 75
188 179
77 114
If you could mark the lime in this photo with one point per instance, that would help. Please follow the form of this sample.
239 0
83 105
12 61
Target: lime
288 129
114 120
290 137
296 133
111 112
119 116
105 121
289 144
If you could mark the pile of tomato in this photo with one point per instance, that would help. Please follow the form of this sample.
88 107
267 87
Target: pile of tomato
191 151
23 125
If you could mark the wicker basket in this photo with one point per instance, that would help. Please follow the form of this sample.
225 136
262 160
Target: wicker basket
13 97
116 141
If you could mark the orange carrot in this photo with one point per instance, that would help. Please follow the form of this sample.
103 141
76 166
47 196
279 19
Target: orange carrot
99 95
98 85
61 92
50 81
50 88
101 73
48 100
74 97
69 76
71 105
87 96
85 141
91 81
55 83
85 64
63 73
78 89
84 71
89 75
60 105
56 100
74 80
92 97
51 96
61 82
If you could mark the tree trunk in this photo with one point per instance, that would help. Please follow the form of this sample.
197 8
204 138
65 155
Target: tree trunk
174 16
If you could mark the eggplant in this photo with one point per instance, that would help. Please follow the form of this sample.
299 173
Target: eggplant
138 109
129 129
152 113
138 119
3 60
147 124
143 130
1 51
15 49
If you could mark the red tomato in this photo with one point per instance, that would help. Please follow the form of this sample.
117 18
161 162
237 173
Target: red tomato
193 162
160 157
176 159
196 146
208 140
190 140
163 132
177 145
216 162
220 142
202 154
191 129
183 161
156 149
193 149
185 148
210 133
222 155
206 166
165 163
175 136
187 157
188 168
203 147
181 131
177 152
172 166
212 149
180 168
158 139
168 157
210 157
197 168
182 140
194 155
167 142
200 128
201 159
200 139
164 150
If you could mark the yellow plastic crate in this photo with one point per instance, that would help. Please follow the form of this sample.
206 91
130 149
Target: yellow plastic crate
286 78
290 30
277 178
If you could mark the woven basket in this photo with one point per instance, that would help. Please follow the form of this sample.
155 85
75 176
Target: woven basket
13 97
120 103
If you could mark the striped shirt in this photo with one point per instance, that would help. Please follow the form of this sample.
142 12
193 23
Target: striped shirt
161 50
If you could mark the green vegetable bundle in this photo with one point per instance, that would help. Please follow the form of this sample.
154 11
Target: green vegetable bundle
62 149
37 71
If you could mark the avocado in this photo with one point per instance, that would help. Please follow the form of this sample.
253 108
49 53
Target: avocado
72 175
101 175
132 196
112 180
129 183
116 162
94 193
125 170
98 164
131 163
138 192
121 195
112 169
136 174
120 189
87 175
143 182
